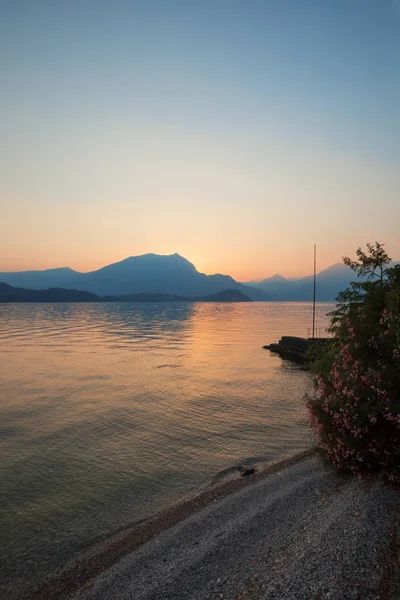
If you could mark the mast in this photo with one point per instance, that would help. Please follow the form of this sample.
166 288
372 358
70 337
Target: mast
315 285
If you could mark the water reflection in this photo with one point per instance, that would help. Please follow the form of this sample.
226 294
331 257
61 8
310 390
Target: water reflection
147 319
110 410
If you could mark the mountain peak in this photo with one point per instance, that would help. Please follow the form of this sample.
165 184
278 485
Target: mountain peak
149 255
277 277
273 279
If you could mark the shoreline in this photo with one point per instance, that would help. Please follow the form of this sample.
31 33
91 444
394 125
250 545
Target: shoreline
78 571
301 533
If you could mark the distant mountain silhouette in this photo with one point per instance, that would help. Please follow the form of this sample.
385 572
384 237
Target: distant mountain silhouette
330 282
38 280
173 275
9 293
227 296
149 273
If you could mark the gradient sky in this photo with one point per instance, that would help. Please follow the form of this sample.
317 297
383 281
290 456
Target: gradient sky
237 133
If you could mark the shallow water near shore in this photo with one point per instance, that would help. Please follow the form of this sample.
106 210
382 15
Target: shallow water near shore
111 411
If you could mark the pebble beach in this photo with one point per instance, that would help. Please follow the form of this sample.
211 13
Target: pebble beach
293 530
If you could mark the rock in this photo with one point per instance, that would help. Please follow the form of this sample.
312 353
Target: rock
246 471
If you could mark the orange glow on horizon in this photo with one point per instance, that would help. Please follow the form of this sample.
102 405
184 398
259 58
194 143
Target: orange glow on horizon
295 260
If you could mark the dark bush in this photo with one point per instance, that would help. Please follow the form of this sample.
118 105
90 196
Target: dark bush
356 405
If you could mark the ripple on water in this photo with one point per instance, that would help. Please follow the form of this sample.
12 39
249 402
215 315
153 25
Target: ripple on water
109 411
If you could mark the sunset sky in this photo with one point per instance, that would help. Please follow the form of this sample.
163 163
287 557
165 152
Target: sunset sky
237 133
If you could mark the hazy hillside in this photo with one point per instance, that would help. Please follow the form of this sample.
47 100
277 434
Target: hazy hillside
150 273
227 296
330 282
37 280
10 293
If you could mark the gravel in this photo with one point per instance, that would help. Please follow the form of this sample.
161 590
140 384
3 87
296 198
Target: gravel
299 533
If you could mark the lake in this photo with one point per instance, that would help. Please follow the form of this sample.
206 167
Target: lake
111 411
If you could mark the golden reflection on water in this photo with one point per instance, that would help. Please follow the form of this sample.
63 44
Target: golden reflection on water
110 410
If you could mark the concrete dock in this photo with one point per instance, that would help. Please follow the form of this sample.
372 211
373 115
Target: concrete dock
295 348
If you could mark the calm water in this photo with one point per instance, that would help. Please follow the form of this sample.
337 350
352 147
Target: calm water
110 411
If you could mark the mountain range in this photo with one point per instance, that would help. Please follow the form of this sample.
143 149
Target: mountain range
329 283
175 276
149 273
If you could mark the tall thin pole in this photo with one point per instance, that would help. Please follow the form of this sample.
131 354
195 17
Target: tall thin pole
315 285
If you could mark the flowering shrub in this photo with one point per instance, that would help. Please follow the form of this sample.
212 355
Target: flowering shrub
356 405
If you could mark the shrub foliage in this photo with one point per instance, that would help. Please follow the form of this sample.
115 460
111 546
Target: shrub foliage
356 405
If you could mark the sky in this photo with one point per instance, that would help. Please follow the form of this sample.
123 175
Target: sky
236 133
